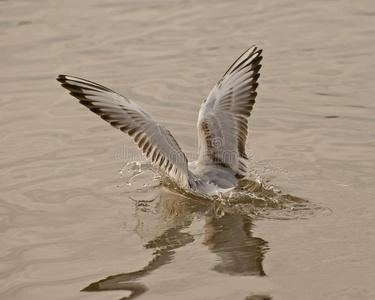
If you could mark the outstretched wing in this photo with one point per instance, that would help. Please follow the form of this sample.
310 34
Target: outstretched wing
222 122
153 138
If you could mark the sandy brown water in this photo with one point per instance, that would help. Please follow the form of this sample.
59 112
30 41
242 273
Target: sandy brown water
70 222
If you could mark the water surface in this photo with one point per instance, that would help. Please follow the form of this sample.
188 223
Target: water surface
72 226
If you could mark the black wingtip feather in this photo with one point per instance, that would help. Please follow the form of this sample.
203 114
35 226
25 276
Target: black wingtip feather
61 78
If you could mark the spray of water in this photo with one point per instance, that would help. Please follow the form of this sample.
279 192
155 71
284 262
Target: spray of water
255 195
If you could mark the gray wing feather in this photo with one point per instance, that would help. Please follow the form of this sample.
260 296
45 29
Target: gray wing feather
153 138
222 122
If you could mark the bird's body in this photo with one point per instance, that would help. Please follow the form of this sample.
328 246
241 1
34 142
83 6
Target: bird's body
222 126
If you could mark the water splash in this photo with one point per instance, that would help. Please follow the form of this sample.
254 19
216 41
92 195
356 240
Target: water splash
254 196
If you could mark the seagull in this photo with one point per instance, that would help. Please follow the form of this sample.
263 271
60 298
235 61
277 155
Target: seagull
222 127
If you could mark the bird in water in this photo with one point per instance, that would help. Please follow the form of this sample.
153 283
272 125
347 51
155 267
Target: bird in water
222 126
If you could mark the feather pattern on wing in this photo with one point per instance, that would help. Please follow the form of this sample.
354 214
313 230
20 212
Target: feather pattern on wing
222 122
153 138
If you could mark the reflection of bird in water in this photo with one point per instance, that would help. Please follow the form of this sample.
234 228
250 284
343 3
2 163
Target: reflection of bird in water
222 126
230 237
226 234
